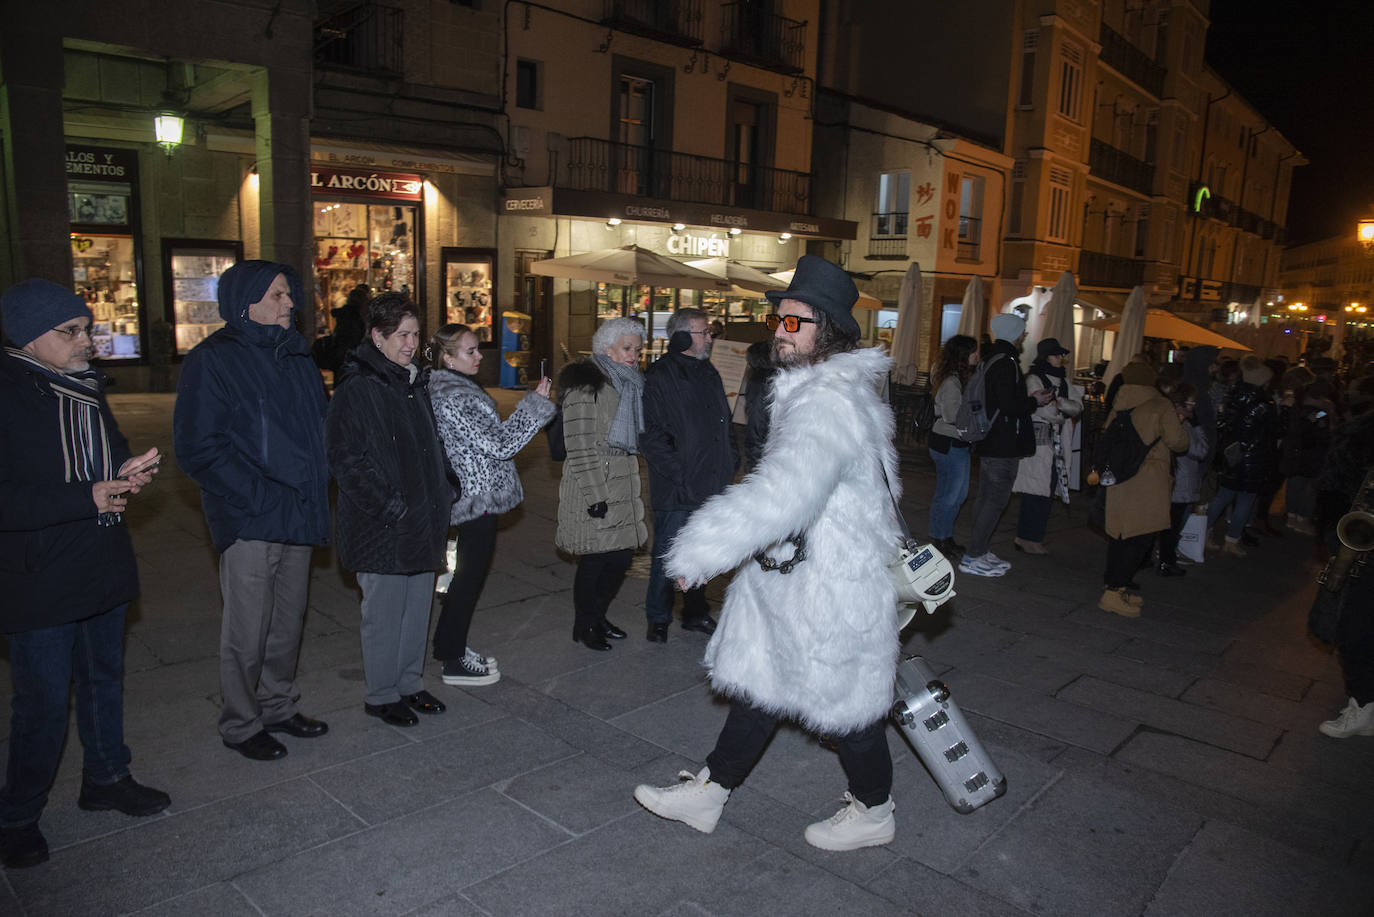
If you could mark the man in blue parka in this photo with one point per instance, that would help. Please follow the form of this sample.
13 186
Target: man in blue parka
249 429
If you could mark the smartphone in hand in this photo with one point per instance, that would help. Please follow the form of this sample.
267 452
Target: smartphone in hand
146 466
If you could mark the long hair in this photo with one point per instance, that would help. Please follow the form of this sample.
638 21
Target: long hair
445 338
954 361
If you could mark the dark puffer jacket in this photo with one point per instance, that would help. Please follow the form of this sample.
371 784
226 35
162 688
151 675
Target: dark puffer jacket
1011 435
57 563
1247 449
688 441
394 495
248 426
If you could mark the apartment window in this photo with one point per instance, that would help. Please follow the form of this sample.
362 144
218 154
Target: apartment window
1029 43
641 120
750 129
528 85
1142 230
1058 228
894 197
970 216
1016 209
1071 82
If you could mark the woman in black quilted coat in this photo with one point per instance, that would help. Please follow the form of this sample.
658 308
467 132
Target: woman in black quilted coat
1247 454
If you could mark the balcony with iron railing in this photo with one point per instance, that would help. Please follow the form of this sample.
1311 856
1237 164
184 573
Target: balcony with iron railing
622 168
759 37
1104 270
970 238
1131 62
887 237
1120 167
366 37
674 21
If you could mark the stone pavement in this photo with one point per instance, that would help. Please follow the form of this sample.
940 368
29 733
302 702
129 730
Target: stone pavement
1167 766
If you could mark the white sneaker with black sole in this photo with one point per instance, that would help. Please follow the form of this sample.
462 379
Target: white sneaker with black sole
466 673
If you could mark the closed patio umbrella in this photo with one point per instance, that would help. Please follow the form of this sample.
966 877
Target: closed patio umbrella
1057 320
971 315
629 265
906 338
1130 334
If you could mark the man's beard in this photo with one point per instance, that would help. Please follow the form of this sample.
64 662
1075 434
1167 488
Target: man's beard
790 359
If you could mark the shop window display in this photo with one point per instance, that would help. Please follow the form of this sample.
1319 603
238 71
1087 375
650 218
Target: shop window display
468 296
371 244
194 282
103 272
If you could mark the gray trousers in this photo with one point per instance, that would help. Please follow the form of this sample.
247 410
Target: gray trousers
264 586
995 479
396 609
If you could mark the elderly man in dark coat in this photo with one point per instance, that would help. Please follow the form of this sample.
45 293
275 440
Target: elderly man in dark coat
689 446
249 429
67 570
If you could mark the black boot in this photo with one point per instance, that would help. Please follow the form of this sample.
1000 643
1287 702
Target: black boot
589 635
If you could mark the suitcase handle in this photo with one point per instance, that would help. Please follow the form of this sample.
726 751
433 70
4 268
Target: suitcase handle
938 691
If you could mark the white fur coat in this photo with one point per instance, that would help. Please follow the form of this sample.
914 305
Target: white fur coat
819 644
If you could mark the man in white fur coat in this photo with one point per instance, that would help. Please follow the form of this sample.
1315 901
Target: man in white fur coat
808 631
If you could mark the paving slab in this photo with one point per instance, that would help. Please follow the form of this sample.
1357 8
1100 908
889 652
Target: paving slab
221 899
1066 722
928 893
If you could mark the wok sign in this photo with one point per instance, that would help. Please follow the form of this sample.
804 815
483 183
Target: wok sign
364 183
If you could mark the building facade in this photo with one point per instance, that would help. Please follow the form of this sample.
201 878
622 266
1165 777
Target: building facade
1326 296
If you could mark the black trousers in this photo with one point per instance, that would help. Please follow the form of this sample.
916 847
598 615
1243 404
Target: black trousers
1355 637
1123 558
596 582
863 753
476 545
1168 539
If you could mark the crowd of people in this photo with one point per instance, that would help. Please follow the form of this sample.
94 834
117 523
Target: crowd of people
416 448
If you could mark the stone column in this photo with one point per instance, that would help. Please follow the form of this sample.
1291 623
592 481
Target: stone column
35 223
281 115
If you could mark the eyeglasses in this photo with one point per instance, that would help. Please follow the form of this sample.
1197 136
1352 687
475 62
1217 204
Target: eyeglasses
708 332
790 323
75 330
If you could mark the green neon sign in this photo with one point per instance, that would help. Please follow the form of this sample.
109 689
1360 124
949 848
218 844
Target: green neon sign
1202 195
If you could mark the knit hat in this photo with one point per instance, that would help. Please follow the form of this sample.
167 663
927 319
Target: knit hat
36 306
1007 327
1254 372
1138 374
824 286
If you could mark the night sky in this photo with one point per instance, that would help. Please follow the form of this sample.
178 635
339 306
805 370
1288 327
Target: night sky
1309 68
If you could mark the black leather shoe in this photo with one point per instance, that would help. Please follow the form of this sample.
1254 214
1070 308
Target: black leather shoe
23 847
424 702
609 630
591 638
300 726
258 747
397 713
658 633
1249 539
1171 570
125 795
704 624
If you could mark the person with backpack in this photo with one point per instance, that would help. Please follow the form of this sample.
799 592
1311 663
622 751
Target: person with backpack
1044 475
1247 453
995 415
1137 500
948 451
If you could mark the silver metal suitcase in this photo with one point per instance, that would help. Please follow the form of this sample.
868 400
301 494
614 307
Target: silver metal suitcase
946 745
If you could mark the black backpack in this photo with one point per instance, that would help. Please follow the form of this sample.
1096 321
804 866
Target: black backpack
1119 451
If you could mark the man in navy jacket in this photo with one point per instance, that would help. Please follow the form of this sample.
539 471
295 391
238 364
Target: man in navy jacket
689 447
249 429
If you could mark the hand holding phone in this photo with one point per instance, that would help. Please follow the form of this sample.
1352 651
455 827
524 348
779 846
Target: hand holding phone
140 469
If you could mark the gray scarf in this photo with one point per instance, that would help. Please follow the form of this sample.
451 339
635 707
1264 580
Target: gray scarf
628 422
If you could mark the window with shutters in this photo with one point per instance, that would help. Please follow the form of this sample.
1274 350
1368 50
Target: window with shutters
1071 82
1029 43
1061 181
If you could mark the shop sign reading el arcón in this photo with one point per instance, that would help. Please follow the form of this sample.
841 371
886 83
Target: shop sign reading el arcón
397 186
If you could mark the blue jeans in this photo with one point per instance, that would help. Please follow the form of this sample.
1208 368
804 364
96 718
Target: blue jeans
951 490
43 664
1245 505
658 599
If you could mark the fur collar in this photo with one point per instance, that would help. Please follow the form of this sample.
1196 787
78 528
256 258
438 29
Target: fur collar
866 366
581 374
445 383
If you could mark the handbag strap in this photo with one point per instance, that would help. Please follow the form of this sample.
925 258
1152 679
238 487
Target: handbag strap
901 520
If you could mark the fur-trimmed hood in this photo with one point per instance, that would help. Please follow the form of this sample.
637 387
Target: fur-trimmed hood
580 374
820 643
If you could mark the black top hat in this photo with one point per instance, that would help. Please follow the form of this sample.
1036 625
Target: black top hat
825 286
1050 347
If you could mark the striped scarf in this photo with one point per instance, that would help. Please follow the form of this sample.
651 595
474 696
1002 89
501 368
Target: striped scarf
83 438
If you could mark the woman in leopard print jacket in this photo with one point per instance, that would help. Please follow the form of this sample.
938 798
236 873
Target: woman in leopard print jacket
481 448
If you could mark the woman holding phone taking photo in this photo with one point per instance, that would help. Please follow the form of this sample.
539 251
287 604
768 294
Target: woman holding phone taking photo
481 449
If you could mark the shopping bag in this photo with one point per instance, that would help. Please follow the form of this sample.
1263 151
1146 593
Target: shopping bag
1193 539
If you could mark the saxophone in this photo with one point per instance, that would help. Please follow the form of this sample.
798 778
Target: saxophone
1355 530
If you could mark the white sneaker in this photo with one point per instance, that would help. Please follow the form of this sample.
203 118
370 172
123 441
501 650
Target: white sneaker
854 826
471 655
980 566
695 801
996 561
1354 720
